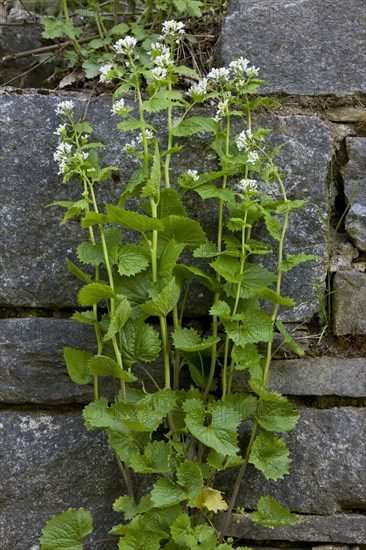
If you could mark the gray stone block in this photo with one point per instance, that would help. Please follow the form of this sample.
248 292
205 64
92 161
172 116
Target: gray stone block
349 303
49 463
354 176
327 474
321 376
34 247
307 47
339 528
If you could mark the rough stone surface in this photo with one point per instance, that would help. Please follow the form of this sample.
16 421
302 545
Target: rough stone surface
34 247
349 303
339 528
49 462
320 376
21 38
32 367
327 473
354 175
307 47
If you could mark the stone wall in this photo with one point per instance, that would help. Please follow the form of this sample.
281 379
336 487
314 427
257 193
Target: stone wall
312 52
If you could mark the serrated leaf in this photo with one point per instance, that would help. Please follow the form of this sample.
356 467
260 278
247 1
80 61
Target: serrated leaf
128 125
164 302
272 514
84 317
119 30
270 455
77 365
132 220
223 418
211 499
134 288
247 357
93 293
90 254
67 530
182 229
125 443
254 326
221 462
148 413
228 268
206 250
194 125
265 395
292 260
83 127
119 319
183 272
132 259
254 278
277 417
152 187
93 218
155 460
140 342
126 505
78 273
290 205
189 476
189 340
135 182
273 225
106 366
167 493
221 309
288 340
209 191
99 415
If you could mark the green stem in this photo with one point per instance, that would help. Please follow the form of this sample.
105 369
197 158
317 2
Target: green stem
67 18
170 142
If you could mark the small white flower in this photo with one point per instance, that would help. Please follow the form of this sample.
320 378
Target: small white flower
249 185
61 130
105 72
252 71
163 60
126 45
148 135
199 89
243 140
239 66
219 75
65 108
253 157
173 29
130 147
193 174
159 73
158 49
119 108
63 151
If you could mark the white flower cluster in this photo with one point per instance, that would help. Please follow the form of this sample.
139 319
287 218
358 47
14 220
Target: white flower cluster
173 29
248 185
65 108
61 130
125 46
253 157
119 108
199 90
148 135
106 72
193 174
64 155
243 140
219 75
240 66
223 107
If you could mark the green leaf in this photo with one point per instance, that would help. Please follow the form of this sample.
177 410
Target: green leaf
148 413
119 319
259 389
83 127
189 476
272 296
292 260
189 340
93 218
273 225
132 259
93 293
183 272
99 415
277 417
106 366
77 365
206 250
290 205
136 181
152 187
270 455
223 419
77 272
254 326
194 125
254 278
56 28
272 514
128 125
209 191
170 204
125 505
155 460
119 30
90 254
246 357
167 493
164 302
211 499
132 220
85 317
125 443
228 268
134 288
288 340
221 309
182 229
140 342
67 530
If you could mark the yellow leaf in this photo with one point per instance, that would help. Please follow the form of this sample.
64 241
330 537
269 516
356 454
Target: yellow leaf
211 499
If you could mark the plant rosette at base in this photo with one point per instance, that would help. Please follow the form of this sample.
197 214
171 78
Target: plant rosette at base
185 431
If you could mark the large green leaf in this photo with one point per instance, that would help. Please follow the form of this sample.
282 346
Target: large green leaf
228 268
182 229
272 514
270 455
167 493
99 415
277 417
292 260
254 278
194 125
132 220
190 272
155 460
66 531
140 342
152 187
94 293
164 302
119 319
189 476
106 366
189 340
77 365
251 327
148 413
132 259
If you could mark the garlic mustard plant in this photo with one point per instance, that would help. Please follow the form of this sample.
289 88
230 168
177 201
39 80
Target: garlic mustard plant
185 430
